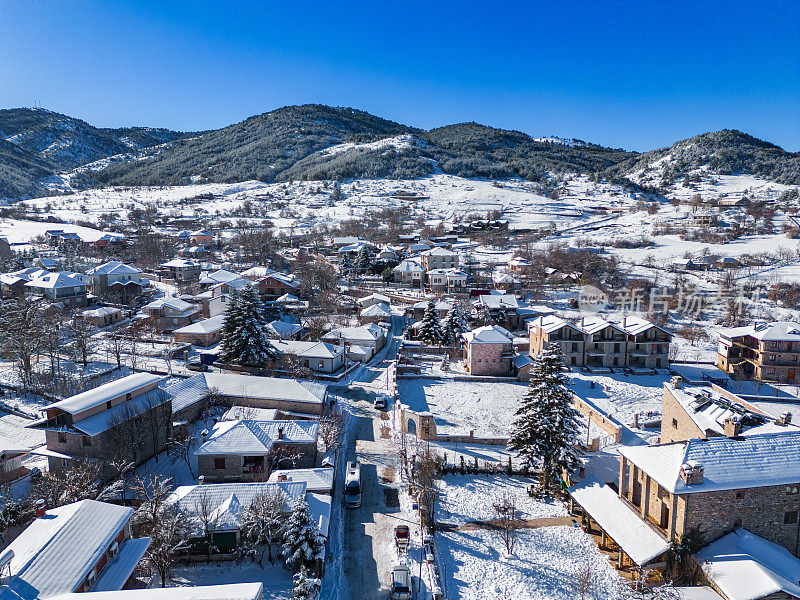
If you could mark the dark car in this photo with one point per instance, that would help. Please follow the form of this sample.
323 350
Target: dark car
197 366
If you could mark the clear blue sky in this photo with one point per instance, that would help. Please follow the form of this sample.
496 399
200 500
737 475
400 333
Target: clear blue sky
634 74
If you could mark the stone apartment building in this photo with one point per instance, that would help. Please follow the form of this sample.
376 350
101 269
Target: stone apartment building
630 342
489 351
702 412
717 485
131 417
768 352
181 270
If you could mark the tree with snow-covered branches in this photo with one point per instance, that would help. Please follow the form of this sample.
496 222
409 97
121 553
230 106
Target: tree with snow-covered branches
302 541
305 587
545 432
345 265
363 260
454 325
431 331
244 338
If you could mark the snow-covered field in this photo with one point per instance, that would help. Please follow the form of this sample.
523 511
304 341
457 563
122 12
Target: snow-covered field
546 562
466 498
461 406
277 580
546 566
621 395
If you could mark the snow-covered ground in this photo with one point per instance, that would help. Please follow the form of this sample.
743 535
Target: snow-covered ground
546 562
461 406
276 579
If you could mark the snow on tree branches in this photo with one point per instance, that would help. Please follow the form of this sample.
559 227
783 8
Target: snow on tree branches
545 432
431 331
244 338
302 541
454 325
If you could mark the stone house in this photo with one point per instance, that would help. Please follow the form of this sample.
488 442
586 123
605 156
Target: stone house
247 449
551 329
275 285
116 280
449 280
377 313
130 416
169 314
103 316
489 351
201 333
320 357
769 352
717 485
409 272
702 412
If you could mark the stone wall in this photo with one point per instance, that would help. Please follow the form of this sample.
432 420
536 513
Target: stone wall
676 424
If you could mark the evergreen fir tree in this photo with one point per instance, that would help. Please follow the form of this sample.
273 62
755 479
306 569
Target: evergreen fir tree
454 325
345 265
546 429
363 260
244 339
431 331
305 587
302 541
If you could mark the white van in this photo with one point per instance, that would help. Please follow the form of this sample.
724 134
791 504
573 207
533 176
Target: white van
352 485
401 583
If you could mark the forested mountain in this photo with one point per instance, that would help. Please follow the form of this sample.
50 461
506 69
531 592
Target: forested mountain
726 152
322 142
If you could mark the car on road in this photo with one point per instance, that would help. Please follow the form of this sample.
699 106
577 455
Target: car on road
381 402
352 485
401 583
197 366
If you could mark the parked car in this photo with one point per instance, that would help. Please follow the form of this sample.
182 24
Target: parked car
381 402
401 583
197 366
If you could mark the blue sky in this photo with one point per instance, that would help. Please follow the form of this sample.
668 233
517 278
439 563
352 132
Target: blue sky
634 74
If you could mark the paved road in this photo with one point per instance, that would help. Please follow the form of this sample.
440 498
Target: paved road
368 552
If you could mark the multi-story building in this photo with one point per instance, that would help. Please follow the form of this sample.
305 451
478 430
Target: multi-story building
117 280
169 314
128 418
630 342
489 351
181 270
716 485
768 352
447 280
60 288
439 258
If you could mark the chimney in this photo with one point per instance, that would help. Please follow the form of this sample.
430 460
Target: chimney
733 427
785 419
40 509
676 382
201 480
692 473
204 435
280 433
283 477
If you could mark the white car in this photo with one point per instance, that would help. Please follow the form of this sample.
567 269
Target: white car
401 583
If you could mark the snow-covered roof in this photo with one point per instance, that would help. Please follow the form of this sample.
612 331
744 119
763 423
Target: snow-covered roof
54 553
117 572
54 281
374 298
232 497
498 301
101 312
370 332
231 591
179 262
641 543
550 323
438 251
239 413
709 409
107 391
287 298
728 463
319 505
104 420
775 331
489 334
592 325
307 349
272 388
744 566
256 437
317 480
219 276
283 329
185 392
175 303
116 267
205 326
408 266
377 310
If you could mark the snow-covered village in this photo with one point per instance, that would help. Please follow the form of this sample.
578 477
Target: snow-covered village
319 354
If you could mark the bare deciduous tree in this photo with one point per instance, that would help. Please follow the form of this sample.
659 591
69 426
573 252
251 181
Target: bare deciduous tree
263 522
506 518
330 429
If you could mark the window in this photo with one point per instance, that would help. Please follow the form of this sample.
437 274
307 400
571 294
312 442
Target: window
675 423
790 517
792 490
739 494
108 404
87 441
128 396
64 463
219 464
62 438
